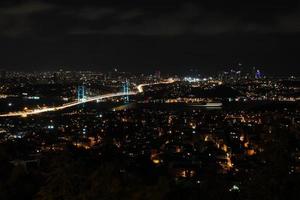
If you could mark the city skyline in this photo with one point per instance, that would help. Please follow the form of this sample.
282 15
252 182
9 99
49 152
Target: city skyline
149 100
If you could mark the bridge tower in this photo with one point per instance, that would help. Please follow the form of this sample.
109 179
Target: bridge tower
126 91
81 94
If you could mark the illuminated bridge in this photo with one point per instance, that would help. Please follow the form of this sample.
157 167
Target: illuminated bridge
82 100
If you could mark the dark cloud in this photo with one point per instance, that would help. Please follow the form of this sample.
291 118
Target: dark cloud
148 17
27 8
19 19
92 13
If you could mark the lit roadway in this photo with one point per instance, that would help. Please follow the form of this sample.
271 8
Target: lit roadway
25 113
140 87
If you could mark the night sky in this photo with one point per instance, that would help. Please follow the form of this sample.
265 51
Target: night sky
147 35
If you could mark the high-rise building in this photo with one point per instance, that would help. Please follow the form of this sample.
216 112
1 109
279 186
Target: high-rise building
3 75
157 74
253 73
258 74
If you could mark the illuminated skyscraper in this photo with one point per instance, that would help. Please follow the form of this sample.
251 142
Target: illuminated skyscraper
258 74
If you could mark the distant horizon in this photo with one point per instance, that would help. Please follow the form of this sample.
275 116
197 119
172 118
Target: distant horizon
149 72
273 54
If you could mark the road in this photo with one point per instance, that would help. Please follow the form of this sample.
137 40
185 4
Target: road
140 87
25 113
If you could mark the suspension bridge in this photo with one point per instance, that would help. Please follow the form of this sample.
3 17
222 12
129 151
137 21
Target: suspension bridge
82 98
